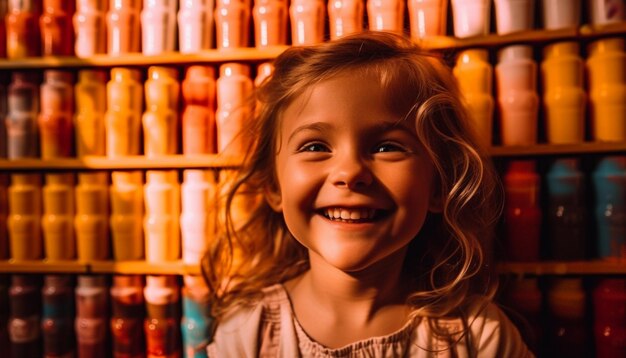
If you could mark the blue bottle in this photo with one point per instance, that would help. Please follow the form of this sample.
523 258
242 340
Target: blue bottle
609 179
196 323
566 214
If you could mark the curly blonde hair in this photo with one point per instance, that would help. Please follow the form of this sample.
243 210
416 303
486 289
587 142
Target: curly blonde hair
447 261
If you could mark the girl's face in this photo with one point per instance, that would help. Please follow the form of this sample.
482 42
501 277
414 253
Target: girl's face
354 183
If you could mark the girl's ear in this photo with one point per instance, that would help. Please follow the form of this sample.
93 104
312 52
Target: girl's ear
274 199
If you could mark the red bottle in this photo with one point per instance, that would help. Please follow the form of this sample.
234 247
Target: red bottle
128 316
198 118
3 32
163 314
4 313
522 211
57 30
22 23
610 318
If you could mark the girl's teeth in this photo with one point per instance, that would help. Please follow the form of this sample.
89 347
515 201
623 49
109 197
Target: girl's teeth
349 214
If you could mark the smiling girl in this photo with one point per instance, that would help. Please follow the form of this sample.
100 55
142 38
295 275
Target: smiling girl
373 233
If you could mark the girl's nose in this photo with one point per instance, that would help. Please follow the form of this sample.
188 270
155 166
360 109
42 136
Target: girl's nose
351 172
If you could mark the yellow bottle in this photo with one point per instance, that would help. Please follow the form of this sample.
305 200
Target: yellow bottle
90 95
606 68
475 77
161 222
160 121
123 115
563 98
92 217
24 219
58 219
126 197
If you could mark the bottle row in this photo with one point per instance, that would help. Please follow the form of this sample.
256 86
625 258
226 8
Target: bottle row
89 27
569 317
101 316
554 215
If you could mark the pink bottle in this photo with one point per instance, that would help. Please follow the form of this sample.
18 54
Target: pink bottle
197 224
307 22
232 18
522 216
58 316
158 26
198 118
195 25
127 316
21 119
234 87
90 27
56 116
24 219
427 18
386 15
57 32
25 316
516 79
92 317
123 27
22 23
270 22
163 313
160 120
345 17
263 71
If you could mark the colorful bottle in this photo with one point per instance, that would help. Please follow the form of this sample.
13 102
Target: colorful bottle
91 323
567 213
92 217
427 18
21 119
522 216
58 316
609 300
270 22
195 25
162 219
609 181
196 219
56 116
563 96
385 15
566 304
234 87
196 322
4 212
471 17
127 316
24 219
198 118
90 94
124 109
163 312
232 18
606 65
126 221
22 23
345 17
57 222
516 79
57 31
25 316
307 22
90 28
123 27
160 120
158 26
475 77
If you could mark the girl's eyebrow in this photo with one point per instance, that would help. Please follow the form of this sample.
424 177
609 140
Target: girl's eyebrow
382 127
316 127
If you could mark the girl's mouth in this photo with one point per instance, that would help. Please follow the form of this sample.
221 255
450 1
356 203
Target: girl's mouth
352 215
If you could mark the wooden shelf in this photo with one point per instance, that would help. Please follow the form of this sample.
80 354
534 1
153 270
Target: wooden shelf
42 266
559 149
122 163
99 267
561 268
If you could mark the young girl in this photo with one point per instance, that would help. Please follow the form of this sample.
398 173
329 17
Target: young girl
372 235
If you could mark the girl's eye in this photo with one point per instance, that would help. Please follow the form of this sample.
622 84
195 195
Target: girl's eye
388 147
314 147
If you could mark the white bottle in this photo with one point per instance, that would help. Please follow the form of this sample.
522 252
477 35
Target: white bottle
234 87
195 25
161 222
198 212
232 18
158 26
90 27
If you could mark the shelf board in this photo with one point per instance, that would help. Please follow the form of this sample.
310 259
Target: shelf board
618 28
564 268
144 268
122 163
43 266
138 59
559 149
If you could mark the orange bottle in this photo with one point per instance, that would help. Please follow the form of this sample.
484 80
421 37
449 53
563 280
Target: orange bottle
57 32
195 26
92 217
57 222
263 71
232 19
126 220
606 69
24 219
4 211
90 93
124 108
123 27
90 27
22 22
345 17
475 76
160 120
198 118
162 218
564 98
3 115
270 22
307 21
234 87
386 15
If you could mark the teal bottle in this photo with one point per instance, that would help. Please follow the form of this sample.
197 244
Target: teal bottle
195 323
609 180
